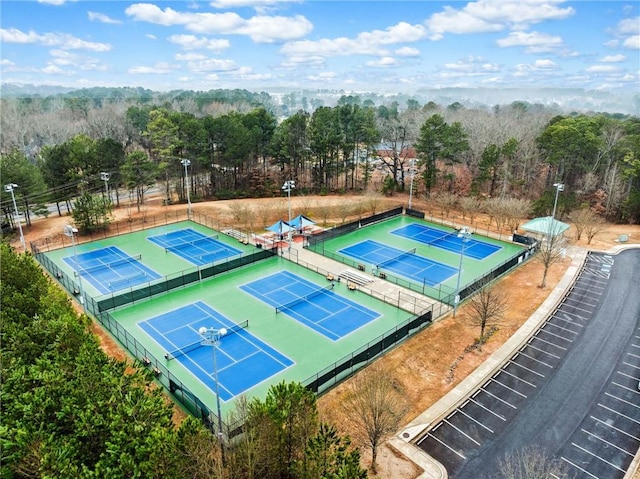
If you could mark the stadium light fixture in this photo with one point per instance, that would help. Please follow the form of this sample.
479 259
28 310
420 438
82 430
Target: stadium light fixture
288 186
186 163
104 176
211 337
465 235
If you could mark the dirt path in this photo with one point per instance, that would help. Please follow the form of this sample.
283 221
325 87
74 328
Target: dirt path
426 366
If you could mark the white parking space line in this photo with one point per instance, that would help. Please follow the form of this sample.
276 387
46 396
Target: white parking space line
633 355
499 398
488 410
570 321
618 413
445 445
542 350
624 387
595 436
462 432
588 311
578 467
605 423
520 353
555 335
507 387
568 315
626 375
581 302
537 338
519 379
589 288
527 369
634 366
617 398
596 456
561 328
476 421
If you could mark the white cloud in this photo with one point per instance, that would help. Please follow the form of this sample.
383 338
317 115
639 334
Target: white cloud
613 59
224 4
53 70
601 69
535 42
61 40
407 52
472 66
383 62
260 28
211 65
102 18
191 42
632 42
56 2
158 68
485 16
629 26
544 64
323 76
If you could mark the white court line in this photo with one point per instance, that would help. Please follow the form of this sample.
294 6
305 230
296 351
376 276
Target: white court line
527 369
462 432
542 350
507 387
596 456
607 442
520 353
476 421
443 443
615 428
488 410
549 343
578 467
618 413
555 335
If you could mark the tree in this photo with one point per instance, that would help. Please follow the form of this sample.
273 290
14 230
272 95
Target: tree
91 212
486 308
139 174
550 251
374 407
530 463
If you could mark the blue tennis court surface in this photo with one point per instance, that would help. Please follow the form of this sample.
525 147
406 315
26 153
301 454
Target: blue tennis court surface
194 246
242 359
321 309
449 241
110 269
407 264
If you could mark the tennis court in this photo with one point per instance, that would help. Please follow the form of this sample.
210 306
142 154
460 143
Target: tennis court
242 360
405 263
321 309
194 246
447 240
110 269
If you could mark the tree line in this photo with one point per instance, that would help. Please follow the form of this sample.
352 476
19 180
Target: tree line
243 150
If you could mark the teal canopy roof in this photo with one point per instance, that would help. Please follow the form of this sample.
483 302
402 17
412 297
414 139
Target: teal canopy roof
546 226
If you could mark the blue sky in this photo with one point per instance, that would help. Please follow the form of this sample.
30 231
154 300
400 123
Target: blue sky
384 46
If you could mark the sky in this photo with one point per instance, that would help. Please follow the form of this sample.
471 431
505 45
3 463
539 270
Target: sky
357 46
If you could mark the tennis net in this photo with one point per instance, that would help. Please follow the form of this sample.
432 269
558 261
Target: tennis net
117 283
98 267
396 258
304 298
441 238
186 244
190 347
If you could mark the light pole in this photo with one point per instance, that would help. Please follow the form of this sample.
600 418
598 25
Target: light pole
9 189
187 163
104 176
288 186
70 231
211 337
559 187
464 234
413 174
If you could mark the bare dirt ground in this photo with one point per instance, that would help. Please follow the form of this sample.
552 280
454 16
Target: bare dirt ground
423 364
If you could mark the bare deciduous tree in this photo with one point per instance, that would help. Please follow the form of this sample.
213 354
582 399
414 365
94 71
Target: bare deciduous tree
550 251
588 222
530 463
469 206
486 308
374 408
446 201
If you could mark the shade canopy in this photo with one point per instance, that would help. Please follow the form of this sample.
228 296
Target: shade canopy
280 227
546 226
301 221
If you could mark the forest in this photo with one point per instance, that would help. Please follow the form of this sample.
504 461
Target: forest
58 148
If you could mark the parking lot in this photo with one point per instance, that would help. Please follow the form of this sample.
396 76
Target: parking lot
572 389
